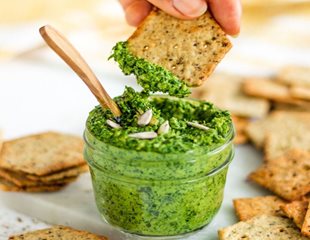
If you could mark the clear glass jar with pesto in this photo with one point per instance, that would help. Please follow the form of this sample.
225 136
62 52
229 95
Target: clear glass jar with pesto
166 186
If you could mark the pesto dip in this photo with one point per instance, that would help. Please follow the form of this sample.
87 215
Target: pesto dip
169 185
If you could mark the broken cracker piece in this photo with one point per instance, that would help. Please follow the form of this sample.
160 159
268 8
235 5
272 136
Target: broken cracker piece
288 176
262 227
247 208
190 49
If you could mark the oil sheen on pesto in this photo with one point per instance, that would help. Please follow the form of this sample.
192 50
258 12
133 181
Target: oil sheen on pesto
180 138
151 77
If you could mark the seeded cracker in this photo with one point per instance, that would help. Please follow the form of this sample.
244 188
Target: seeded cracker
300 92
20 180
247 208
42 154
58 233
190 49
305 230
280 124
287 176
68 173
270 89
10 187
296 210
240 124
225 91
262 228
295 76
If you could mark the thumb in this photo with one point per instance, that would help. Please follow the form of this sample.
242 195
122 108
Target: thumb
184 9
190 8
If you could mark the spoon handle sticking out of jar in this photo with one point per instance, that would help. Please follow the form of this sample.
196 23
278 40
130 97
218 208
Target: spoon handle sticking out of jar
64 49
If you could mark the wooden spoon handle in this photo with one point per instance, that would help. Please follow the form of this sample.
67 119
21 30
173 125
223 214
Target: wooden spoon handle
72 57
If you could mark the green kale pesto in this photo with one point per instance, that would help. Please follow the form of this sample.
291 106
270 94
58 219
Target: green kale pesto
151 77
180 138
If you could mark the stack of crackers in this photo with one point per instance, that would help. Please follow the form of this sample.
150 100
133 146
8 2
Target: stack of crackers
274 114
42 162
57 233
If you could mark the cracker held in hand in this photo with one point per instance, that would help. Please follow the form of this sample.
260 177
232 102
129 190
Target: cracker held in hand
288 176
296 210
225 91
247 208
190 49
58 233
42 154
262 227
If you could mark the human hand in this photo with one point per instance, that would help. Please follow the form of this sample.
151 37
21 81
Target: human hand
226 12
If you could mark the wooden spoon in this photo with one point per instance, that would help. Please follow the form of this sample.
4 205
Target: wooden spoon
76 62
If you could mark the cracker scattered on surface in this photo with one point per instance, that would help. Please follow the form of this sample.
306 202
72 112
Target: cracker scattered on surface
57 233
20 180
42 154
280 124
305 230
288 176
295 76
300 92
290 107
240 124
262 227
225 91
270 89
247 208
68 173
10 187
296 210
292 131
189 49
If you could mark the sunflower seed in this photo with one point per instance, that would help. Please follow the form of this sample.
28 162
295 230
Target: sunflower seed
197 125
113 124
164 128
145 118
143 135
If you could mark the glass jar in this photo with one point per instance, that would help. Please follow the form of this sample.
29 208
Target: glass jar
155 194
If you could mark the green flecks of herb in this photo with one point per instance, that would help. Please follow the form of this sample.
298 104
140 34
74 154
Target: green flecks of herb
152 77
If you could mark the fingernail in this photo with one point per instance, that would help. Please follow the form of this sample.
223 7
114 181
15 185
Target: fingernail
190 8
236 35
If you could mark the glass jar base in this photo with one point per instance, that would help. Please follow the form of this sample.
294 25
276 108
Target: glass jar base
131 236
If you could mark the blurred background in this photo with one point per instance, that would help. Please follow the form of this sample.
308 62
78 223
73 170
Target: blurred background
32 78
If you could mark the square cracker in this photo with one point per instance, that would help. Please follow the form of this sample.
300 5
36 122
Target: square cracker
225 91
67 173
288 176
280 123
300 92
294 76
42 154
56 233
262 227
305 230
11 187
269 89
190 49
296 210
247 208
292 132
240 124
20 179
